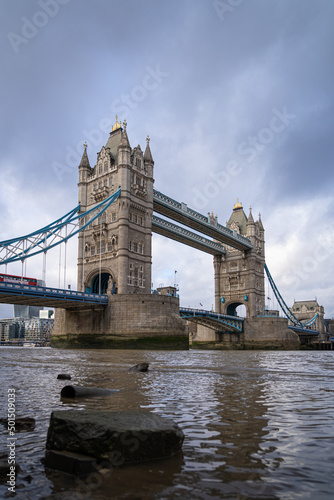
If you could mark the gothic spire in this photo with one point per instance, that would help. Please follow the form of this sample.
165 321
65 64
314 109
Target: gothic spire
250 217
148 154
84 160
260 223
124 141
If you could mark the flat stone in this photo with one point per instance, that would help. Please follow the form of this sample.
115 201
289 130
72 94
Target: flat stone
113 437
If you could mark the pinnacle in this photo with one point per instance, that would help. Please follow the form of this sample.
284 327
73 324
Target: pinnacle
84 163
148 154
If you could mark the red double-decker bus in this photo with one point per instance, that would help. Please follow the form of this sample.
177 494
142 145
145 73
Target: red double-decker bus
10 278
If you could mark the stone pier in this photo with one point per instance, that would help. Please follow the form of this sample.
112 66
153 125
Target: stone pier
130 321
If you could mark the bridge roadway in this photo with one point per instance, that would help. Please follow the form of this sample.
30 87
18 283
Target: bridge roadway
181 213
213 320
12 293
304 332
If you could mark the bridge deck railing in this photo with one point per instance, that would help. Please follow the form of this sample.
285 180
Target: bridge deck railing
56 292
212 314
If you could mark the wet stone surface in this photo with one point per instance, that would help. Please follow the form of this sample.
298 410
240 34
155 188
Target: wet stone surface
116 438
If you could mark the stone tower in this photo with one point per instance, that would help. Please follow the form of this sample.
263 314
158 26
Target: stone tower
114 252
239 276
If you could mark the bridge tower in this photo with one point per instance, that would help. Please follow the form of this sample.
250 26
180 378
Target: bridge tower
114 253
239 275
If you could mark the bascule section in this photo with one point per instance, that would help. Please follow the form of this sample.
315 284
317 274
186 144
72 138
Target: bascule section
239 274
114 252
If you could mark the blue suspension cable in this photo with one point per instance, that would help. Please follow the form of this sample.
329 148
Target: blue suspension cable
44 234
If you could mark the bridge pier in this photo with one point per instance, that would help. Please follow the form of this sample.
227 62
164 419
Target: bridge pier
258 333
130 321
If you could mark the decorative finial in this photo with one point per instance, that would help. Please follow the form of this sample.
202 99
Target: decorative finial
116 126
85 145
237 205
259 215
124 123
148 139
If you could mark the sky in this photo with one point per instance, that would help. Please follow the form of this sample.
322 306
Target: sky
236 96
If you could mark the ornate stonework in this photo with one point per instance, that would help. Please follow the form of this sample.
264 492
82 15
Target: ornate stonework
117 246
239 276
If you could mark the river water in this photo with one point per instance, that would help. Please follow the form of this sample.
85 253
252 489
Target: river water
257 424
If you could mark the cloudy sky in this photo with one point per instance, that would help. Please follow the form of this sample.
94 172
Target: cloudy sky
236 95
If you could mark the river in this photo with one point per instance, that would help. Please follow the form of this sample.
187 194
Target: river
257 424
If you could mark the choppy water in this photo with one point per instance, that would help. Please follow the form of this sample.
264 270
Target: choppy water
257 424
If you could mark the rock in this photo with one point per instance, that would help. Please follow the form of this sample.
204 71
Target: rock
75 391
5 468
141 367
64 376
110 438
21 424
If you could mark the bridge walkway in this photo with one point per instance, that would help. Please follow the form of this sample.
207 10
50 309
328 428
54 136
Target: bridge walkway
181 213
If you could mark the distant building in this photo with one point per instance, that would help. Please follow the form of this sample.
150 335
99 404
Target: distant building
37 329
26 312
12 329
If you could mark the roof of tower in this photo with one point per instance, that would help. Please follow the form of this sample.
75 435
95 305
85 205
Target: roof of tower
84 159
148 154
239 217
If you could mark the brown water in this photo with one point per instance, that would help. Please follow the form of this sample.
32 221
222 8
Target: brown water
257 424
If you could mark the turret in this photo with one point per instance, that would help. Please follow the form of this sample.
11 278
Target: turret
84 172
250 226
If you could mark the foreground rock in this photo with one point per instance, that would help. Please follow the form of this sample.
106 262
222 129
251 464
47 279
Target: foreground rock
141 367
5 469
78 441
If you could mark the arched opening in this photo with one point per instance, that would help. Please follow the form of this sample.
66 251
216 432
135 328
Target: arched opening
236 309
104 283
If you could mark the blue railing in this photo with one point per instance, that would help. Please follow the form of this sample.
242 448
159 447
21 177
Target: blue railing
236 322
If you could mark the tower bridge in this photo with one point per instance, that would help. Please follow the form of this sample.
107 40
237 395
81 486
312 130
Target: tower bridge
114 221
